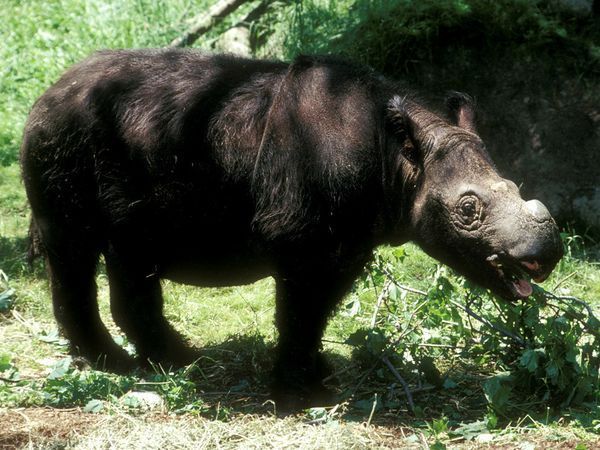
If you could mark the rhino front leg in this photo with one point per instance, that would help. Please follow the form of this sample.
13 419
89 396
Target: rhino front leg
304 303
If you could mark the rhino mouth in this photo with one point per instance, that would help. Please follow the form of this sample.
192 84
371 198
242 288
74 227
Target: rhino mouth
515 275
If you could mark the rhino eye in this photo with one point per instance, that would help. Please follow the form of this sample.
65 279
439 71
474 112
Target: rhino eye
468 210
409 151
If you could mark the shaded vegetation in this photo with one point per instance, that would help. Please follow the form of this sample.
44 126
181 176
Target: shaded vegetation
398 36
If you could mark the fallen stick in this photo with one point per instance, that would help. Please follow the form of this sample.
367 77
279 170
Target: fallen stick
205 22
409 399
572 299
8 380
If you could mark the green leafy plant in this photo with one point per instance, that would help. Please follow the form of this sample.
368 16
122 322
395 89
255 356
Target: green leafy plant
7 294
68 386
177 388
545 348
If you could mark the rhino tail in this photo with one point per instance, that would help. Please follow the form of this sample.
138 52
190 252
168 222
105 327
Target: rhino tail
35 247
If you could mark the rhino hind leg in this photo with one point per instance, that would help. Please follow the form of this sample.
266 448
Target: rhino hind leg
72 268
136 304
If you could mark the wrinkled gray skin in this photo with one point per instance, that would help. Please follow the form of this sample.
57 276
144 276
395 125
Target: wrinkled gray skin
465 214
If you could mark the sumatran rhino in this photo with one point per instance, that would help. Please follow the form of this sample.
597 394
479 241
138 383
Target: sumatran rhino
217 170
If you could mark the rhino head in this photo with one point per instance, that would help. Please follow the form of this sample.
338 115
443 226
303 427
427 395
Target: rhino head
463 212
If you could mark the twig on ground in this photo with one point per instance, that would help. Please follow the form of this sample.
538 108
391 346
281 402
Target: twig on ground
8 380
392 279
380 298
373 282
558 309
439 345
420 389
19 318
409 399
236 394
407 330
410 289
364 377
423 440
572 299
518 339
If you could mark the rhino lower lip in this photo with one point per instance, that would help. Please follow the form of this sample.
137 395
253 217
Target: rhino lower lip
513 275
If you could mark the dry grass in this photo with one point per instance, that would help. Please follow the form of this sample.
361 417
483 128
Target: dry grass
41 428
44 428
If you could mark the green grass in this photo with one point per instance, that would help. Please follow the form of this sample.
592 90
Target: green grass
234 326
40 40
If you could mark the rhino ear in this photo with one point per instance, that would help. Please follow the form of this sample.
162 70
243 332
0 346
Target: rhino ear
402 129
462 109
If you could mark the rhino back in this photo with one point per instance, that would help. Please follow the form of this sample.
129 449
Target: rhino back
120 141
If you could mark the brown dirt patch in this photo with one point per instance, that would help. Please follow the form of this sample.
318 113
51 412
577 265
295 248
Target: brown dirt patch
41 426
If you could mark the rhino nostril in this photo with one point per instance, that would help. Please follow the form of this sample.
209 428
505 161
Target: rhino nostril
535 270
533 266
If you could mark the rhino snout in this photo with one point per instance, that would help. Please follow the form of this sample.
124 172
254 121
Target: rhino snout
539 247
